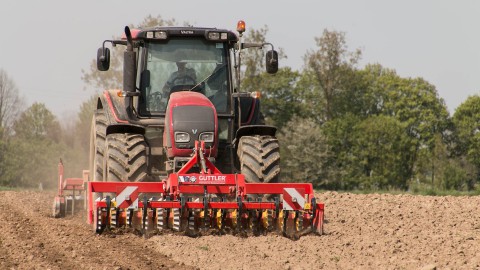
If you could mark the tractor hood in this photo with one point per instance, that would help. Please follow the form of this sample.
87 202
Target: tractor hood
190 116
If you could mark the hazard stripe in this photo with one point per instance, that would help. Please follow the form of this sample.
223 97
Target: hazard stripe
134 204
288 199
127 192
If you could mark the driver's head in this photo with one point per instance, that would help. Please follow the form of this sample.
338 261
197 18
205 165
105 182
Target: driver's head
181 65
181 58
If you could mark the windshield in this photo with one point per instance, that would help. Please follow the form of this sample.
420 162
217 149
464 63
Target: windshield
185 65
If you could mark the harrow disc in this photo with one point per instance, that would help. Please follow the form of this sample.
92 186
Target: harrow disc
99 223
175 224
161 219
280 222
205 219
113 218
129 217
267 220
192 229
218 219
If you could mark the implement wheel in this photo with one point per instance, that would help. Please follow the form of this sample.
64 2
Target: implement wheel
259 158
58 208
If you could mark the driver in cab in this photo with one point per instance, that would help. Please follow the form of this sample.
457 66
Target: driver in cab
183 76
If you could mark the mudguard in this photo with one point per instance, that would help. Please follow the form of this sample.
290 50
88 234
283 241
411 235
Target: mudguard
250 111
252 130
115 111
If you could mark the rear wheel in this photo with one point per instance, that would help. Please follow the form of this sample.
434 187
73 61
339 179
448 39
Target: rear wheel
259 158
126 158
97 146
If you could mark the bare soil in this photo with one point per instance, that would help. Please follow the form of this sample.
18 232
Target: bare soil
374 231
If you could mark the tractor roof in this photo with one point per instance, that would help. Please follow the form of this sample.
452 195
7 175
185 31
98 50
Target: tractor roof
157 33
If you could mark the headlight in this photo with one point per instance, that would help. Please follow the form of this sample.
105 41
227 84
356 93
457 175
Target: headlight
182 137
213 35
161 35
157 34
206 137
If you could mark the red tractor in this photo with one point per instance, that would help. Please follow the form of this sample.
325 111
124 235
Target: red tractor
181 148
181 84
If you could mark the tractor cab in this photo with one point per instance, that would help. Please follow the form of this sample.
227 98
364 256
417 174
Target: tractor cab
171 59
183 62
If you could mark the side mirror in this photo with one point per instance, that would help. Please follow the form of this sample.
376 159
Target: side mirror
271 62
103 59
145 79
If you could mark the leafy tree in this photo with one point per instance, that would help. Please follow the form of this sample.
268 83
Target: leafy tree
339 134
412 101
459 174
4 180
304 152
10 103
34 151
371 85
10 106
438 169
37 122
466 120
84 122
378 153
330 67
279 100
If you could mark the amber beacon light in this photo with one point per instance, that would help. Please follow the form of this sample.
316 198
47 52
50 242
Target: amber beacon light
241 26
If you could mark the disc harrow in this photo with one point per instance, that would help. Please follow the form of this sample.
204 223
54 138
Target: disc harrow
70 194
205 202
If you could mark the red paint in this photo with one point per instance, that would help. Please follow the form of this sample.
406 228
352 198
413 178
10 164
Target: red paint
134 33
188 98
112 109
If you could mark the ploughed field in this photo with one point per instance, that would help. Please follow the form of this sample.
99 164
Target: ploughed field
374 231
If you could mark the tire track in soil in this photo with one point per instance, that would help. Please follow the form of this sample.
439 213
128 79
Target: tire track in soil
31 239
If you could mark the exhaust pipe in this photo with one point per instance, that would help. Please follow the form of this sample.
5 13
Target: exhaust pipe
129 64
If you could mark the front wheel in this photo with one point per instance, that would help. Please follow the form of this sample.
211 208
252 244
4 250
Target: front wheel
259 158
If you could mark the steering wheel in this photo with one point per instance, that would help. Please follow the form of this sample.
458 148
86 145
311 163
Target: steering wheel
156 94
184 80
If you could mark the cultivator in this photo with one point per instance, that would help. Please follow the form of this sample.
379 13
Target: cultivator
70 193
199 199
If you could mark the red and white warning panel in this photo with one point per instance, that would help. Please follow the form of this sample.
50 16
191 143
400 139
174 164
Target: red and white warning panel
293 198
128 197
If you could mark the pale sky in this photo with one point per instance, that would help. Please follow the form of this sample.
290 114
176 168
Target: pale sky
44 45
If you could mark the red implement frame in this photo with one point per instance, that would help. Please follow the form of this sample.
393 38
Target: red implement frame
67 187
209 181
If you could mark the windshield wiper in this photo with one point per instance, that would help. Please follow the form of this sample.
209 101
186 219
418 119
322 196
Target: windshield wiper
208 77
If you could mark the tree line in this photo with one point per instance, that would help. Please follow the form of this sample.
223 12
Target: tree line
32 140
346 127
340 126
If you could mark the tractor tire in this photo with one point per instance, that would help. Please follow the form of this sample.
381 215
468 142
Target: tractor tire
126 158
97 146
259 158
